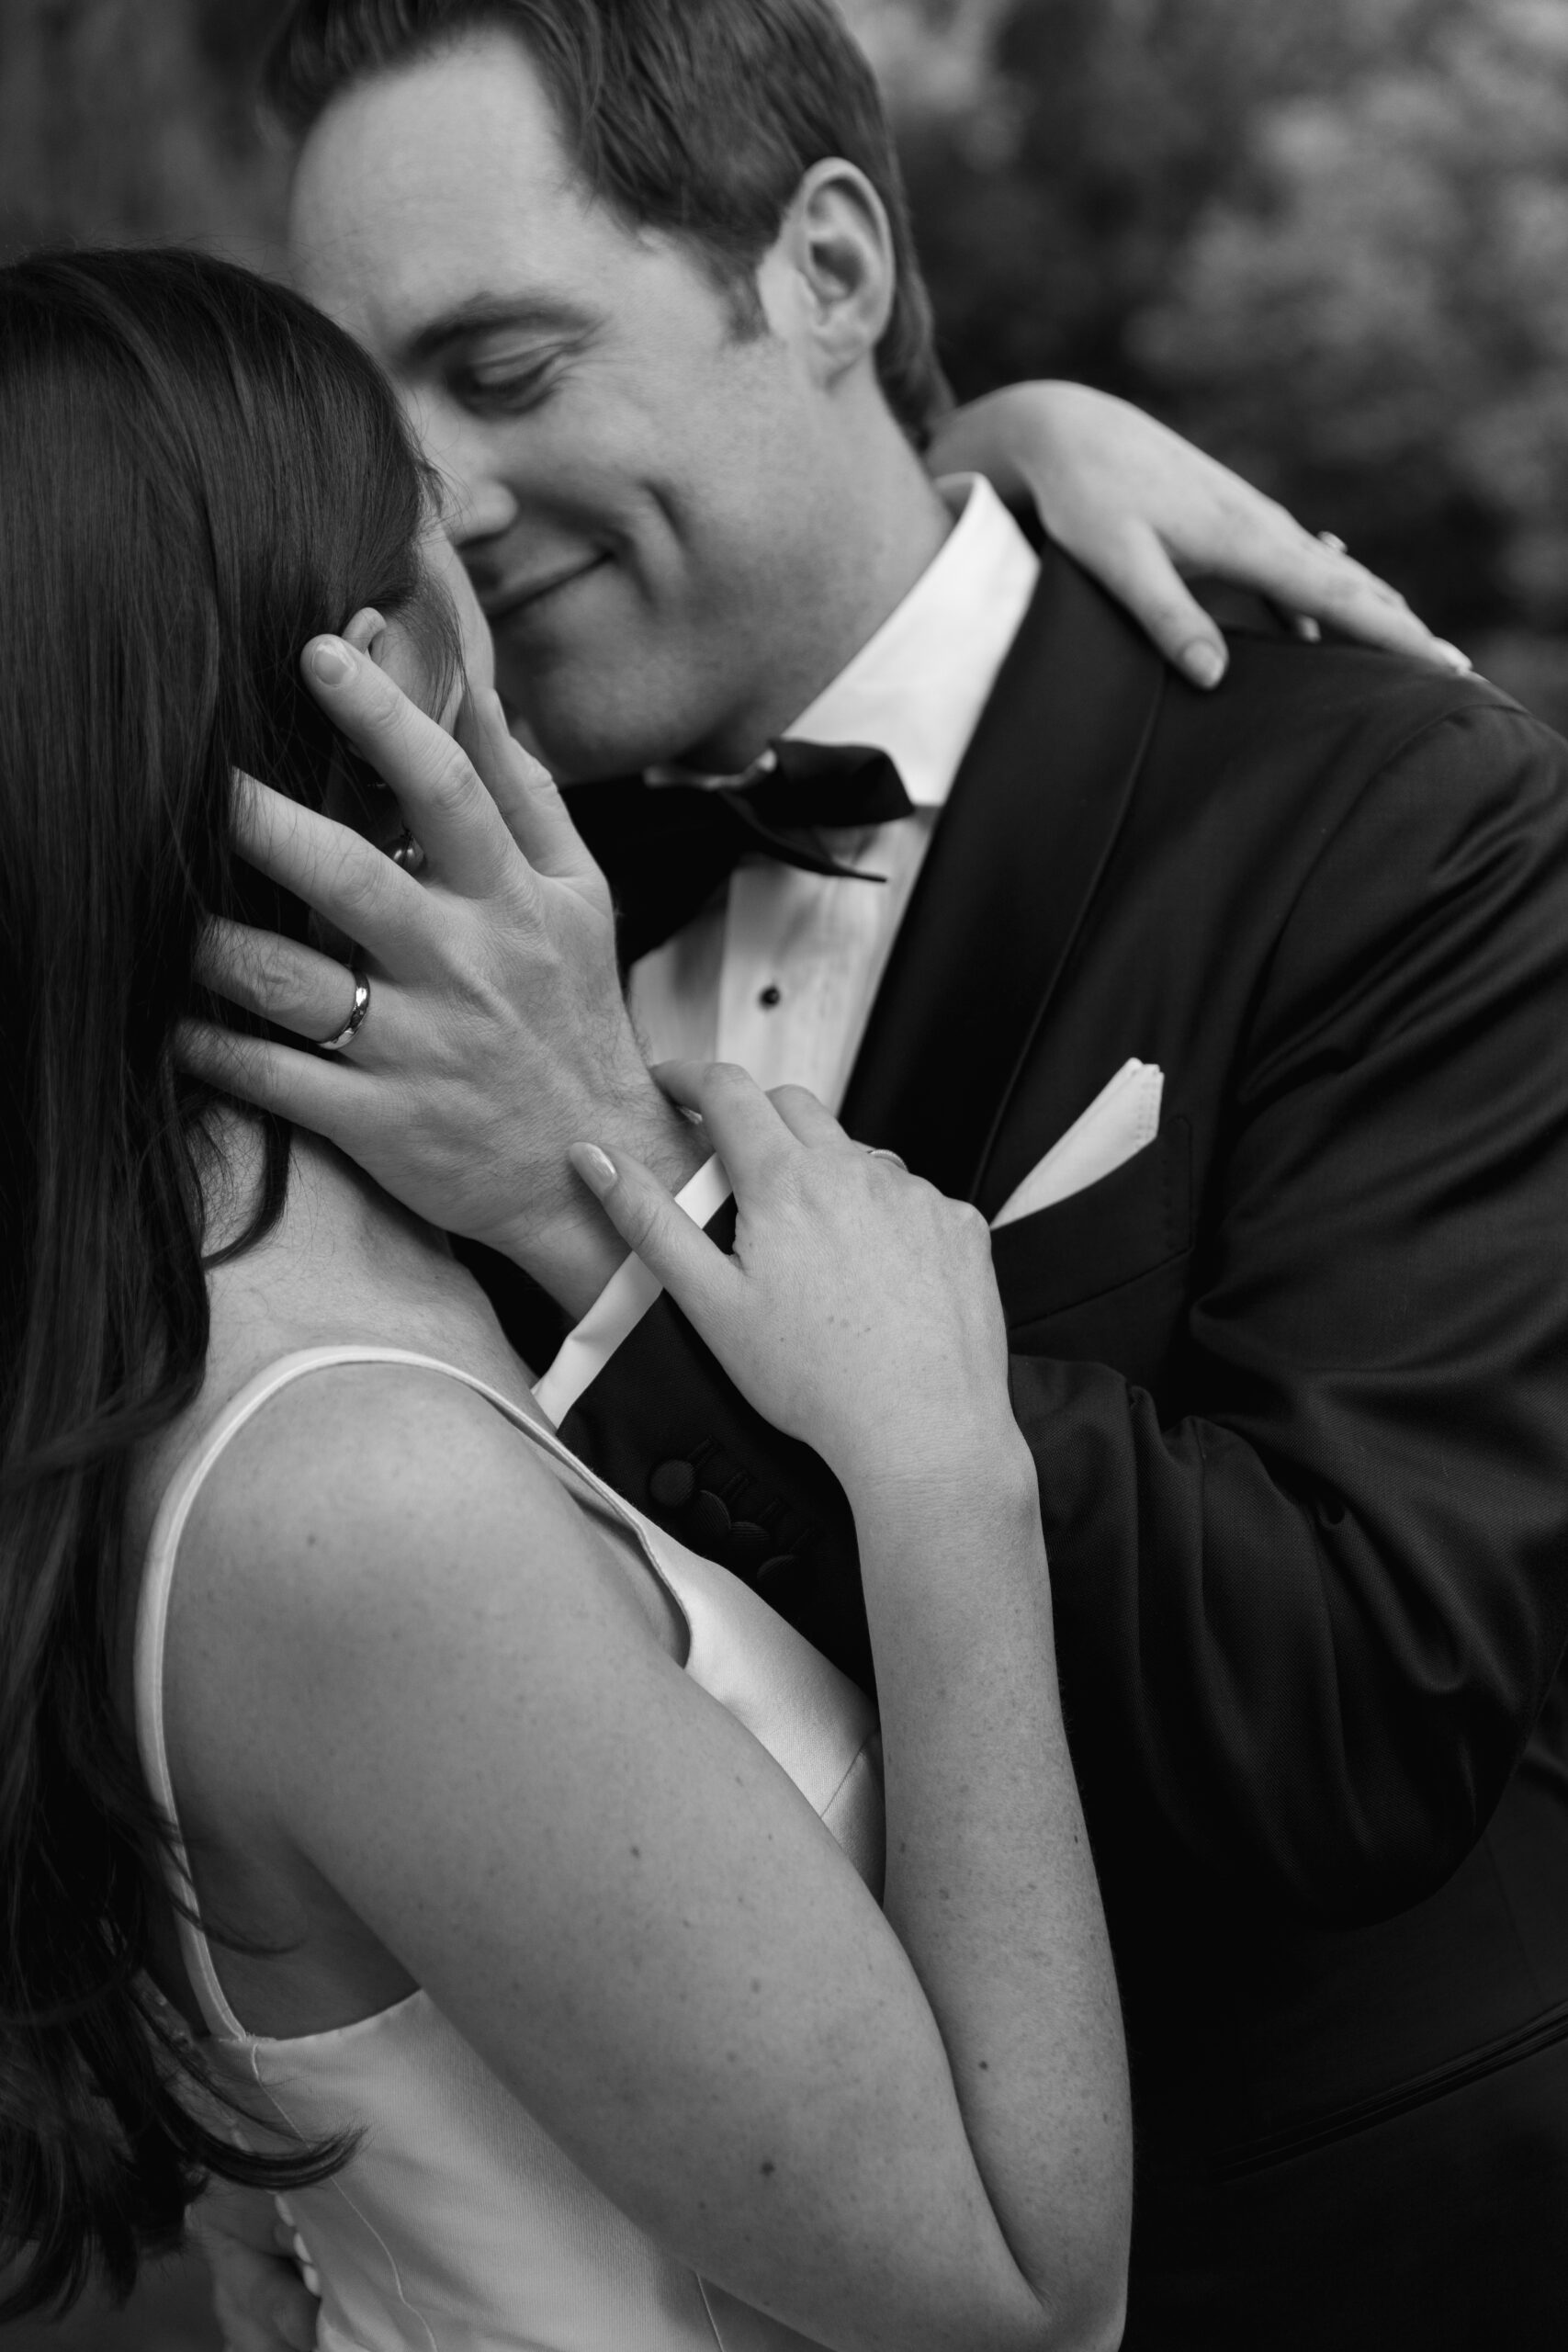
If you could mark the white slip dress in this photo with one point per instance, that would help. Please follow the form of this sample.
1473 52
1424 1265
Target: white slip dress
458 2225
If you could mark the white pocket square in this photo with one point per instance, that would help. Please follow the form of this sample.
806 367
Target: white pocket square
1122 1119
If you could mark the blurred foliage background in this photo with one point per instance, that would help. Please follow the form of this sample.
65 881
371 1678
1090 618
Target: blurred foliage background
1326 238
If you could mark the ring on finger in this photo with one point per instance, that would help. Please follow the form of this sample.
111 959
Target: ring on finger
1333 542
407 853
875 1151
356 1022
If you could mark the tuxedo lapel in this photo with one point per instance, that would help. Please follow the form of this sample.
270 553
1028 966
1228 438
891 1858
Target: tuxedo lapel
1034 811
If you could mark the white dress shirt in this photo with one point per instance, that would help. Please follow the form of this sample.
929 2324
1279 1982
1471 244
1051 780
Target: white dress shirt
780 974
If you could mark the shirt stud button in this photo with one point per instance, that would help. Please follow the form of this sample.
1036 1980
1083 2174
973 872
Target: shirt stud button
748 1544
769 997
709 1522
672 1484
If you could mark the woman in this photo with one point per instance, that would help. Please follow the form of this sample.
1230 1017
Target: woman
201 474
500 1870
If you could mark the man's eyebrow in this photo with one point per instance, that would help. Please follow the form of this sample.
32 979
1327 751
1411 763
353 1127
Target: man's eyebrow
486 313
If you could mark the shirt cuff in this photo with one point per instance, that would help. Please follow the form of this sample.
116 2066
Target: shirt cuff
621 1305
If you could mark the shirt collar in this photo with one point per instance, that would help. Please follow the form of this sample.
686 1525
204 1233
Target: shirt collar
916 688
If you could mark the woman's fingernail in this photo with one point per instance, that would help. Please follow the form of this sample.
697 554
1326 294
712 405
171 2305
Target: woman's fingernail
1203 662
1453 656
596 1168
332 661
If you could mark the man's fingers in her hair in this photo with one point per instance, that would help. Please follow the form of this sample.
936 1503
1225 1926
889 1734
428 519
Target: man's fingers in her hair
280 978
808 1119
743 1126
1143 576
443 803
522 789
671 1244
302 1088
337 872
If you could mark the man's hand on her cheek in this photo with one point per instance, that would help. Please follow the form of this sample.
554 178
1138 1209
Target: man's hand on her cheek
495 1031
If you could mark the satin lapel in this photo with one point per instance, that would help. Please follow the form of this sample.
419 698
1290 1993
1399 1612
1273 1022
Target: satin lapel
1021 843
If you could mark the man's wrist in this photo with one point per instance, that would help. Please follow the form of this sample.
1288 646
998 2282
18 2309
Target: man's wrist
571 1256
567 1243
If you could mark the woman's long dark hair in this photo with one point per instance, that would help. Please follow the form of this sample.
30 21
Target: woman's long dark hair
197 473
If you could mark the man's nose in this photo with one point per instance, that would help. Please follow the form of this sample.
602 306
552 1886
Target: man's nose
477 503
482 507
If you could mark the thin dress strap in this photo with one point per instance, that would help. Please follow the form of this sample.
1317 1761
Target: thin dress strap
152 1611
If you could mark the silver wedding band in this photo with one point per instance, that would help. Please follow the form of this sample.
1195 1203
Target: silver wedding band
873 1152
407 854
356 1020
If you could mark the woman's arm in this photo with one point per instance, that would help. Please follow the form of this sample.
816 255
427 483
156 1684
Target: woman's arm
1138 507
895 2132
989 1882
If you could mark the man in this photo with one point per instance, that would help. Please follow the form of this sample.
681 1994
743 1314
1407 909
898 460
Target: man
1241 1019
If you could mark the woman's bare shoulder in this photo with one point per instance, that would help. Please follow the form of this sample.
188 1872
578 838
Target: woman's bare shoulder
372 1483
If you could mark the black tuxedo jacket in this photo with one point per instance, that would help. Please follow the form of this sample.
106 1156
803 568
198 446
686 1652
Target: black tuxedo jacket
1296 1382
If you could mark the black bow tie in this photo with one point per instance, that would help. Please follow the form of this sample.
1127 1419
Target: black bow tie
665 848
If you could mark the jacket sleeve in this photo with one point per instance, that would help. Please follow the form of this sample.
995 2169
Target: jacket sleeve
1314 1619
1309 1617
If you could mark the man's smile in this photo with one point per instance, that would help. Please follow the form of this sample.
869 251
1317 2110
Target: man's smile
521 600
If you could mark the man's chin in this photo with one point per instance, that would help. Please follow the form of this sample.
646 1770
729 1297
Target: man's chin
588 740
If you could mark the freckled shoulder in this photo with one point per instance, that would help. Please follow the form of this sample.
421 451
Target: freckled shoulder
366 1476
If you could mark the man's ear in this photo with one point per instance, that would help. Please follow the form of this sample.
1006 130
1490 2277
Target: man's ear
833 264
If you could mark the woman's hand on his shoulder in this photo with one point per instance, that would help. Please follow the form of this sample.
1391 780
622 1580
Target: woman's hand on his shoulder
858 1311
1139 507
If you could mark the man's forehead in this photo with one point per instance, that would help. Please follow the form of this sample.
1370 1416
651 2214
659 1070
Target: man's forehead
442 184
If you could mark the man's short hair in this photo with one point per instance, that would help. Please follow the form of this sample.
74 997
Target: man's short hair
699 118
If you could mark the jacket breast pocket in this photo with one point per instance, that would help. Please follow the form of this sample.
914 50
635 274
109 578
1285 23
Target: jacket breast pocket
1133 1220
